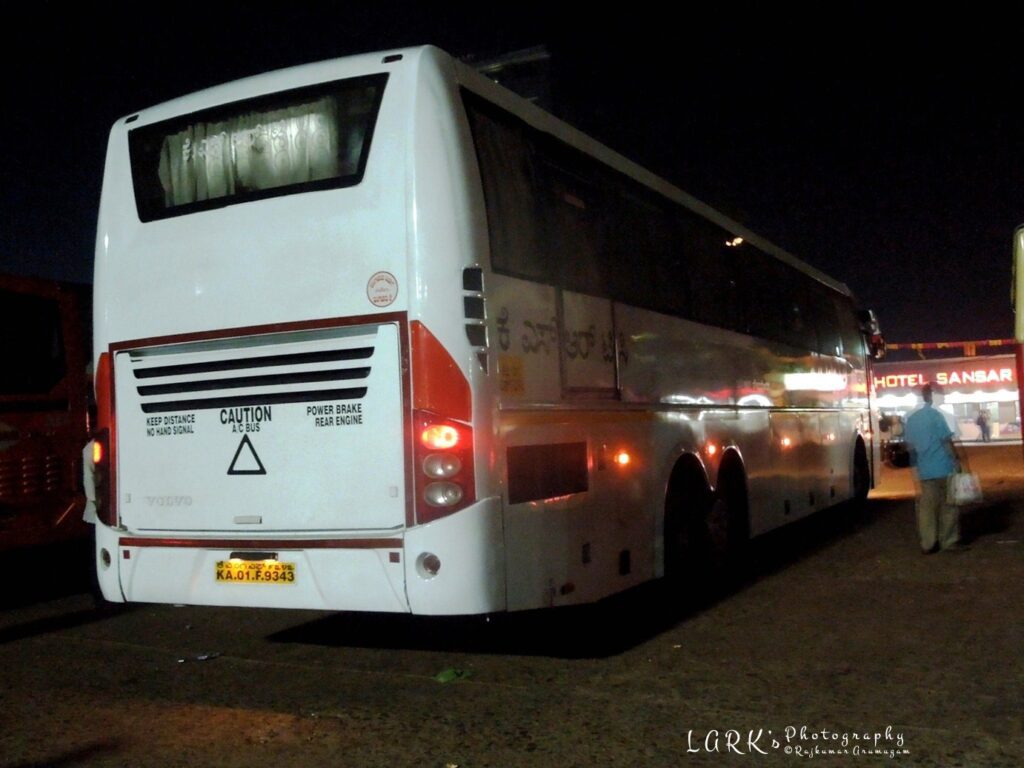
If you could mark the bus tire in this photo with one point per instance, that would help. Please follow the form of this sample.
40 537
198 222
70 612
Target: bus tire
727 527
687 500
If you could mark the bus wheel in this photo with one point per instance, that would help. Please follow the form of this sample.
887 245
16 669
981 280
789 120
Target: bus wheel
718 527
725 531
687 501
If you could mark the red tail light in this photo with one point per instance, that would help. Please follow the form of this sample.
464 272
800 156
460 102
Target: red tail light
104 442
443 443
440 437
444 466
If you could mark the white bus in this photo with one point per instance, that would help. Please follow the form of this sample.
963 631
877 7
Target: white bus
376 334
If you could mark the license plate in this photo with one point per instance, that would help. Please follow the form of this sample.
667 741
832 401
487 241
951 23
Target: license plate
254 572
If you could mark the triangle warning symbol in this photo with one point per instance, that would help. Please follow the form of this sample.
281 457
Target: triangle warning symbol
246 462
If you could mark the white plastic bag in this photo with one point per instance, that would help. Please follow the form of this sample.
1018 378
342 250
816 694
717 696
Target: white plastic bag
964 488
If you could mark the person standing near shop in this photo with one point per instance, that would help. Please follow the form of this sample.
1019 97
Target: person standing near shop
983 425
934 459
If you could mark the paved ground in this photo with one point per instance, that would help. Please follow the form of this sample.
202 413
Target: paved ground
846 639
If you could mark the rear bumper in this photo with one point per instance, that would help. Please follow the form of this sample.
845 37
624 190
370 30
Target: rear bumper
379 574
470 548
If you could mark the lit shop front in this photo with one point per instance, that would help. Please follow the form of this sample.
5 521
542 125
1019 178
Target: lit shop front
973 387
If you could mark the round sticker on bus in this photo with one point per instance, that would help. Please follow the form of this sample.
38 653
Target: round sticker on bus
382 290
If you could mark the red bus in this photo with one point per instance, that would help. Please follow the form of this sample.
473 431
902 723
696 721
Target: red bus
44 410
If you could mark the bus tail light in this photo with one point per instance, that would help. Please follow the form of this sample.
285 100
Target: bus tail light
442 435
443 494
104 443
444 466
441 466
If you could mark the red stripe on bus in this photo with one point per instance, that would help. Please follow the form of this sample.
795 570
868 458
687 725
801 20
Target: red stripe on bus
261 544
254 330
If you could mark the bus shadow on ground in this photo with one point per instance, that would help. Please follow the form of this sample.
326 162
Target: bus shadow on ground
48 573
607 628
784 546
985 520
48 624
591 631
58 574
81 756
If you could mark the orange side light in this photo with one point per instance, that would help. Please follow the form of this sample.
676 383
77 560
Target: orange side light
622 458
97 452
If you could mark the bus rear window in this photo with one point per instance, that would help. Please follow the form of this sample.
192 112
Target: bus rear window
294 141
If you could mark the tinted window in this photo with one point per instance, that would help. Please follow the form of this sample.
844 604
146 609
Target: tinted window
572 212
559 216
293 141
506 162
822 313
849 330
764 303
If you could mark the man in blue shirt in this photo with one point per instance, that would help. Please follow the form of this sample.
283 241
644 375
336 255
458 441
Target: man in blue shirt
932 455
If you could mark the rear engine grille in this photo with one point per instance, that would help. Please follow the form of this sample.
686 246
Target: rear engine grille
250 380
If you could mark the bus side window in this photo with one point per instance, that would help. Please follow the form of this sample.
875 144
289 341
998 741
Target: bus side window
507 171
710 271
849 331
823 315
639 240
570 206
765 312
796 318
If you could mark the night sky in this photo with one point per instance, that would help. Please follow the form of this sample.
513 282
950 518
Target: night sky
888 152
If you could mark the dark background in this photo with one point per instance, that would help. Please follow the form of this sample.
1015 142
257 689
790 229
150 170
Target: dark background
885 150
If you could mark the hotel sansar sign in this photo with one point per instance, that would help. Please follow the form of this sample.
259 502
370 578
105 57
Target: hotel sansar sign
991 373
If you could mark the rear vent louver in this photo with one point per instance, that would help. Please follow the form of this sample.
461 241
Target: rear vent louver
475 310
243 377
